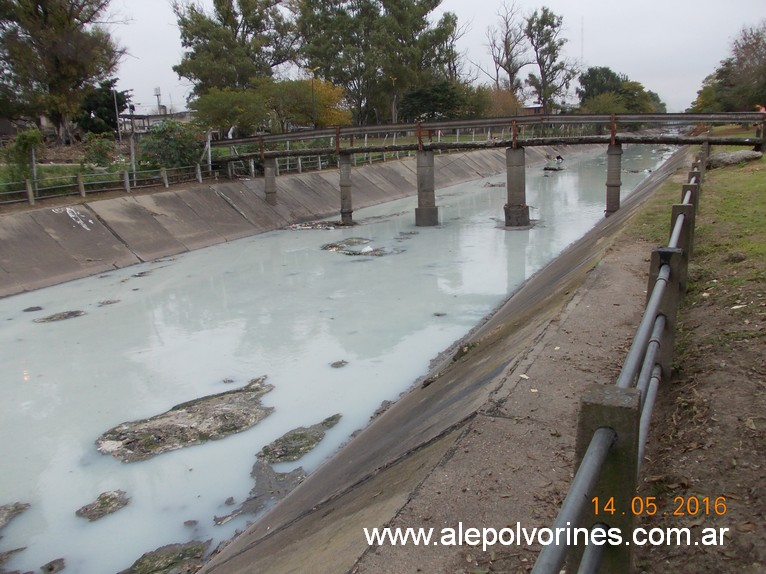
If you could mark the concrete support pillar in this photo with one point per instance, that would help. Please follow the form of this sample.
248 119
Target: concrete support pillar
346 207
426 213
613 178
516 210
619 409
270 179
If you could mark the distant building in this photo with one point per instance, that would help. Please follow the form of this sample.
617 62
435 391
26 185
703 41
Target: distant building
142 123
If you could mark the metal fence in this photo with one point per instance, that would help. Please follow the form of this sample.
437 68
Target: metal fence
81 184
614 420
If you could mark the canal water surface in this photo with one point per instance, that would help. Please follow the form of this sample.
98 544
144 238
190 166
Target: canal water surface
277 304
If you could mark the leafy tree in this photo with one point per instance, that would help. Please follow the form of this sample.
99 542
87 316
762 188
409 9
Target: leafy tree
171 144
97 112
52 51
220 109
636 99
508 47
337 46
240 41
377 50
604 103
543 30
599 80
739 82
438 101
707 100
410 48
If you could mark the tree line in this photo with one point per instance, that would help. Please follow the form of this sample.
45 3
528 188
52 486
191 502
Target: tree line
280 64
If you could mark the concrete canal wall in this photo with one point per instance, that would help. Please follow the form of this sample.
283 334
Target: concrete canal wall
47 246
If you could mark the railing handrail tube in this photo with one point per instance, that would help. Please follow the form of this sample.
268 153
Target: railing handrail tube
636 353
646 412
552 556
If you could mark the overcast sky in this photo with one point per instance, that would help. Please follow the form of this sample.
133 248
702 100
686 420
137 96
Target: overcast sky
667 45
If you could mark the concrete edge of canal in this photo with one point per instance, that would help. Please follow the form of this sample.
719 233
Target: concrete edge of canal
375 478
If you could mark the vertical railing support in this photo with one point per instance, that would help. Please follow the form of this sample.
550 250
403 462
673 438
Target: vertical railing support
619 409
30 191
270 180
80 184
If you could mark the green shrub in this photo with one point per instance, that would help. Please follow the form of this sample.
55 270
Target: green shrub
171 144
18 155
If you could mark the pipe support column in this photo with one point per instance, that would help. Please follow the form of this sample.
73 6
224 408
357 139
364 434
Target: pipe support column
516 210
346 209
613 178
426 213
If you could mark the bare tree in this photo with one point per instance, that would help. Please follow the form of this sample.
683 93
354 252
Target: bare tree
509 49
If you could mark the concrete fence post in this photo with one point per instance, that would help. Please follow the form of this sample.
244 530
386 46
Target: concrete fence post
516 209
198 173
80 184
613 178
695 190
164 176
30 191
619 409
270 180
346 206
674 257
251 167
426 213
126 180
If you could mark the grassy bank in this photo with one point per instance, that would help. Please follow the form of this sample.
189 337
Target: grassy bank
709 427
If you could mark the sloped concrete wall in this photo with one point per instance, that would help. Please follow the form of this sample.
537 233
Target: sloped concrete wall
47 246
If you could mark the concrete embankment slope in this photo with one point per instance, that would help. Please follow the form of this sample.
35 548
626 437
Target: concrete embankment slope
46 246
398 471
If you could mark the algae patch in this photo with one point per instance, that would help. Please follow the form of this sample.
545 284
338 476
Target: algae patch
297 442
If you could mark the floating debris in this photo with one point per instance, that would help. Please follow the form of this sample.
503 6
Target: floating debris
345 247
106 503
500 184
10 511
339 364
54 566
142 273
294 444
270 486
186 557
32 309
108 302
60 316
194 422
321 225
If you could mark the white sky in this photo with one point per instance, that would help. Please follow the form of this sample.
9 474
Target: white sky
667 45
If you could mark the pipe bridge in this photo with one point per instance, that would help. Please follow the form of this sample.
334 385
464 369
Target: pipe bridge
513 133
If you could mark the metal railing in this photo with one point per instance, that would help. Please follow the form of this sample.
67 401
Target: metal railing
614 420
32 190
